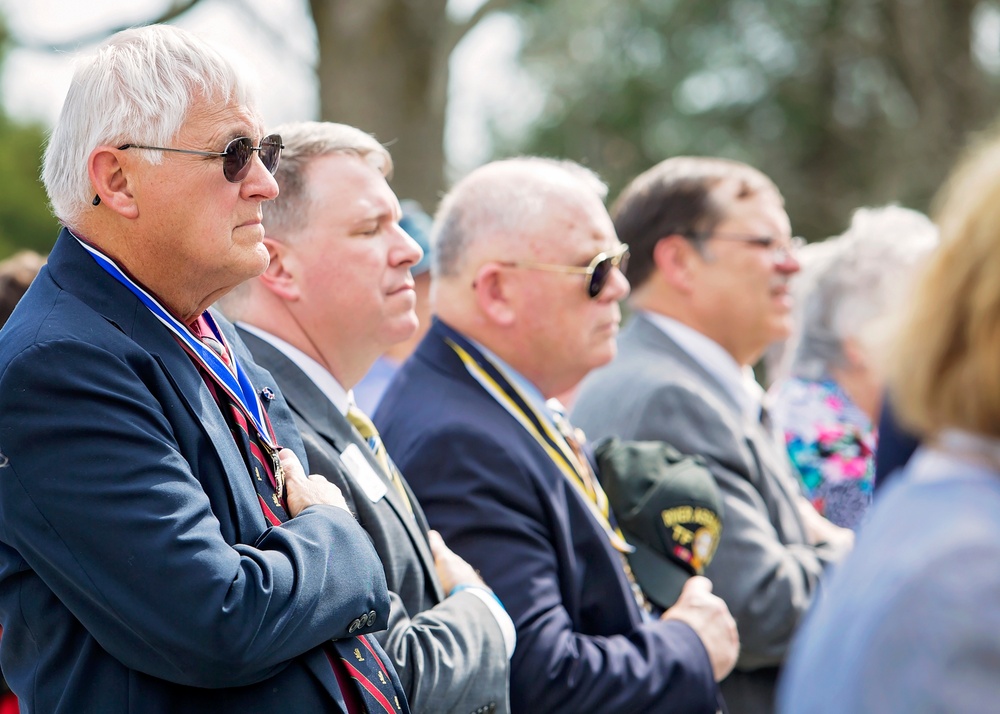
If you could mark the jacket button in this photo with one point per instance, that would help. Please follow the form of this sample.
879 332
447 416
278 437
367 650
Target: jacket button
371 618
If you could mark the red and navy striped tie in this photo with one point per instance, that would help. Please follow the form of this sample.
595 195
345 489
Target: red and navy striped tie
360 658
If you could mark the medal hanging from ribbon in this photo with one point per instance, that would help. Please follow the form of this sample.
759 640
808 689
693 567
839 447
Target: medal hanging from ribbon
358 656
231 378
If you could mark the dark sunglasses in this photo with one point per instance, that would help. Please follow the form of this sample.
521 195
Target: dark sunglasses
235 159
599 269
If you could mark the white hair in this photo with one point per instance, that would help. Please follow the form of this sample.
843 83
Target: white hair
137 87
856 281
505 197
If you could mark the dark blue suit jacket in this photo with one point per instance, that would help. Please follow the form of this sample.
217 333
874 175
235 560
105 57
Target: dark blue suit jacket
895 446
501 504
137 572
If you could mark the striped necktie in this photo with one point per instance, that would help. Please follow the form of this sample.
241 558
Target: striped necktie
261 462
575 439
366 428
358 658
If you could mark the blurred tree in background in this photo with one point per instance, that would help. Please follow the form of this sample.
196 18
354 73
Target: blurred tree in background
384 67
25 219
842 102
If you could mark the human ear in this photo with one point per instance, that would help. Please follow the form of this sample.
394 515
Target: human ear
282 274
677 261
493 294
110 181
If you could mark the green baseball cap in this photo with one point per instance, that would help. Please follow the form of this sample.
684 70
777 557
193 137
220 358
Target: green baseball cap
669 509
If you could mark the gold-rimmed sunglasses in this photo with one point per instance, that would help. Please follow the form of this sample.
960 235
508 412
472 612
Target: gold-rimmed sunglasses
598 271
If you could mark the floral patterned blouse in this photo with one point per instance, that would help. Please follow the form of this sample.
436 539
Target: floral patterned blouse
831 443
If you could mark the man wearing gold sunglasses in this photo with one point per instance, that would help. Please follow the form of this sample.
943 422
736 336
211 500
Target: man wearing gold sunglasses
527 281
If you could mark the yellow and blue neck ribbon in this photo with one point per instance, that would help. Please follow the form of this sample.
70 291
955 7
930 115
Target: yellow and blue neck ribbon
540 425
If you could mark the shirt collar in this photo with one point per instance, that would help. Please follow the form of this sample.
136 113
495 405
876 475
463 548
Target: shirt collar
737 380
320 376
534 396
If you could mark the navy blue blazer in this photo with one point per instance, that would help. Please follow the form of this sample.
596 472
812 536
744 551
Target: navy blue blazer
895 446
137 572
501 503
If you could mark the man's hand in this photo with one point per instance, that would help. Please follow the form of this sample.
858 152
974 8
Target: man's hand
820 530
301 491
451 569
709 617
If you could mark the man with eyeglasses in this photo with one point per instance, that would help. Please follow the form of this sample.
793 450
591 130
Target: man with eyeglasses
337 293
161 547
712 255
527 281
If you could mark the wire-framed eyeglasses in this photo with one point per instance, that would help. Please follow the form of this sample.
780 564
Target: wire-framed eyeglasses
236 156
780 250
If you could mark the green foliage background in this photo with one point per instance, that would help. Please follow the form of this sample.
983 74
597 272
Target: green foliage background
25 219
844 103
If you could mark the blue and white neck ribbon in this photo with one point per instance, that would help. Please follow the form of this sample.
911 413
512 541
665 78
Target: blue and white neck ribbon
233 380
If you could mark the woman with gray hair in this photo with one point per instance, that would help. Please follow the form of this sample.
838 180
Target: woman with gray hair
827 403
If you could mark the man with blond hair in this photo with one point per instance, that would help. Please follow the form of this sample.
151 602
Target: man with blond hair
337 293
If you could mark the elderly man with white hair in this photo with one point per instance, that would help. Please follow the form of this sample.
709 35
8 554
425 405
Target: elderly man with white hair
526 287
827 404
161 547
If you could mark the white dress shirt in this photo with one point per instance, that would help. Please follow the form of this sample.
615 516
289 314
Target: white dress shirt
343 399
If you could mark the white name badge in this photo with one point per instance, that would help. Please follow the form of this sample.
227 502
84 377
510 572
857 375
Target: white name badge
373 486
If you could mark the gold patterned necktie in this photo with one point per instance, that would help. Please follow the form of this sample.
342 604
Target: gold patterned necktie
360 421
575 440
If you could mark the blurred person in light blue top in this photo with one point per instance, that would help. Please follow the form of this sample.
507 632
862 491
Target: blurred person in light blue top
827 403
910 622
368 392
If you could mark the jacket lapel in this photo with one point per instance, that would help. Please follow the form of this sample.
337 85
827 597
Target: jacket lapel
767 454
651 337
320 413
75 271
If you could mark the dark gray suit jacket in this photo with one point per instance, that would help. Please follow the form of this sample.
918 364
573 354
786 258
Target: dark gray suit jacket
449 652
764 568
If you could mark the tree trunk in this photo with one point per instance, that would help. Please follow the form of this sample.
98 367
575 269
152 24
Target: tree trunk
383 68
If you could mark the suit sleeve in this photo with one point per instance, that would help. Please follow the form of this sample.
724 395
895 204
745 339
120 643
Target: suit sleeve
767 584
490 513
102 505
447 656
